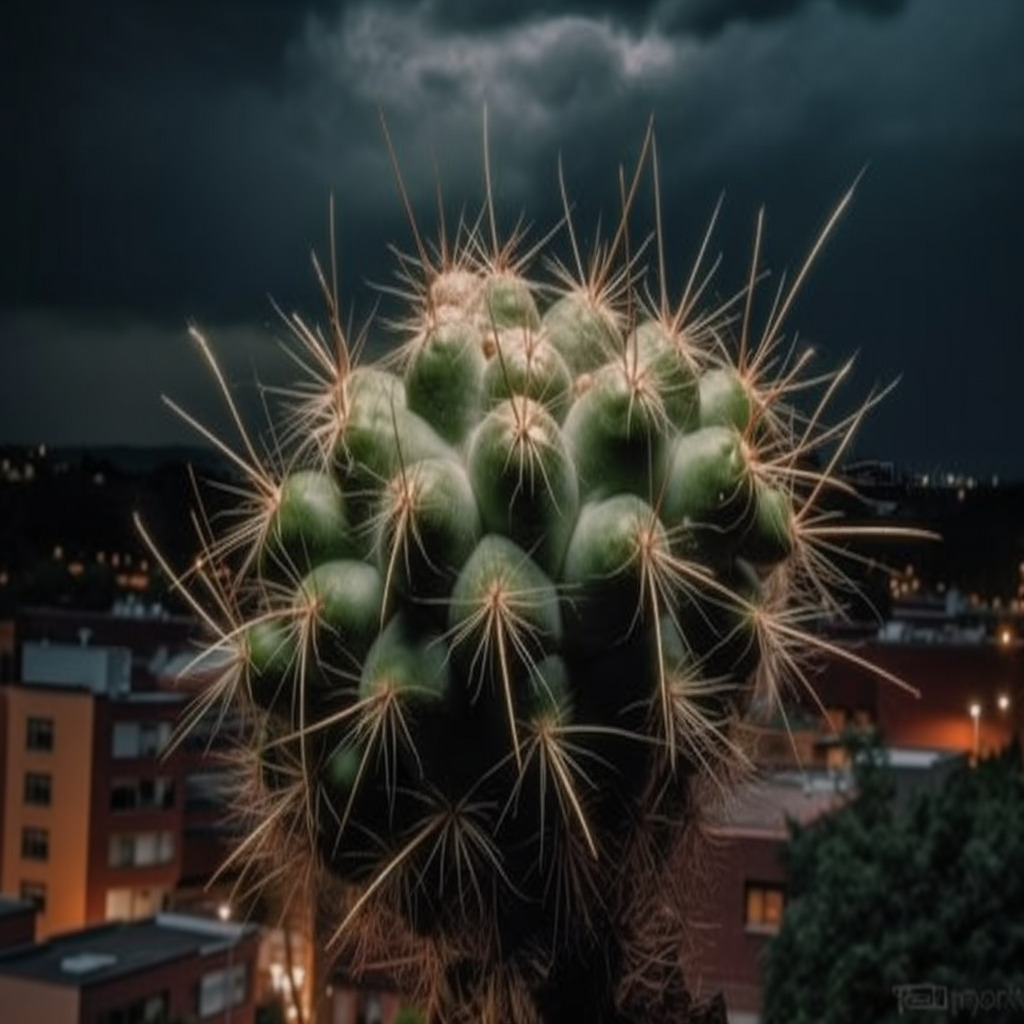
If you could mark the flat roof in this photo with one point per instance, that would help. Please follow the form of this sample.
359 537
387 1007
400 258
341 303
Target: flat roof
158 697
765 805
97 955
10 905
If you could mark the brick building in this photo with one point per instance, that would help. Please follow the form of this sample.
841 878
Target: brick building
168 967
971 694
92 816
745 895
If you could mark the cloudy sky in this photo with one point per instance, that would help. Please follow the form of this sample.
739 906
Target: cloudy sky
170 161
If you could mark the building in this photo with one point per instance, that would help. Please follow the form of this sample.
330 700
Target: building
92 812
745 898
971 694
167 967
742 906
17 922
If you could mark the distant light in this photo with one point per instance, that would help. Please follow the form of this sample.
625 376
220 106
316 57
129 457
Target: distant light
224 911
1003 702
1006 636
975 710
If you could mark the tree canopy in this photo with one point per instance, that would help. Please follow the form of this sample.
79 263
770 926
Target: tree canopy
906 907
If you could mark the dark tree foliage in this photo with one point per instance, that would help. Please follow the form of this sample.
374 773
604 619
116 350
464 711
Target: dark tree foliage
927 894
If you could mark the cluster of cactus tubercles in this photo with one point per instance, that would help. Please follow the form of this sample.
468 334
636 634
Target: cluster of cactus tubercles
496 624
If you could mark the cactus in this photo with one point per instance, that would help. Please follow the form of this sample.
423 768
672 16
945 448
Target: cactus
494 628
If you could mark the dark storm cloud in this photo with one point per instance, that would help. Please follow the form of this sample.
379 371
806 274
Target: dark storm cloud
173 160
709 17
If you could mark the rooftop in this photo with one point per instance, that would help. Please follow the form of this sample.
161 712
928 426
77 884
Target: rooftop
96 955
766 805
10 905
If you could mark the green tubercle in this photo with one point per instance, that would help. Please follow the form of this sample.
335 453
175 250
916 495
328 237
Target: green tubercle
429 525
524 479
672 376
709 489
443 379
583 332
524 363
616 432
507 302
347 598
724 399
309 524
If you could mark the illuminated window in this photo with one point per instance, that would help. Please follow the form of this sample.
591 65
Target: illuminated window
764 906
39 734
37 789
35 844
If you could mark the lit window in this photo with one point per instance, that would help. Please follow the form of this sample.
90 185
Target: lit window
765 904
39 734
35 844
37 789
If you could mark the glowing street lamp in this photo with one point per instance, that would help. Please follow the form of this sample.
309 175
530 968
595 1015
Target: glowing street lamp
1003 702
975 711
224 913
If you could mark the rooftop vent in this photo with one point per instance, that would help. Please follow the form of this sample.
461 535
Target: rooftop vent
86 963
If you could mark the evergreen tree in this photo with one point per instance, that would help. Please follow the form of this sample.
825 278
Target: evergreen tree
929 894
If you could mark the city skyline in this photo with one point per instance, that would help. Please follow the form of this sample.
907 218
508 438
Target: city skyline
172 163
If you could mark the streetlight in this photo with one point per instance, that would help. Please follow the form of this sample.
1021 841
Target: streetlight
1003 702
224 913
975 710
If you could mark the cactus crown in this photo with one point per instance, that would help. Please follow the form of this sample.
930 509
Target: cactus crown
494 629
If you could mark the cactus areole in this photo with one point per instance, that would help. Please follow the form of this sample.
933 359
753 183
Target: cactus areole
494 632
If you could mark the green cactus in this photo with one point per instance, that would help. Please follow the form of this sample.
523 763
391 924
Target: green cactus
497 630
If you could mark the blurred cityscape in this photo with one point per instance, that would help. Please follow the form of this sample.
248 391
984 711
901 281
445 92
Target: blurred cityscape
113 908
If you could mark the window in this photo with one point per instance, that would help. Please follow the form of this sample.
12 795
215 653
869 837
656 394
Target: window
765 904
35 844
147 1010
132 904
34 892
206 791
142 850
219 990
39 734
142 794
37 789
140 739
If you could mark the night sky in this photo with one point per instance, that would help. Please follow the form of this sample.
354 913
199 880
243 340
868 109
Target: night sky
170 161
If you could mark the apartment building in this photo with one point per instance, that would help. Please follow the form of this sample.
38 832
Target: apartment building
92 812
